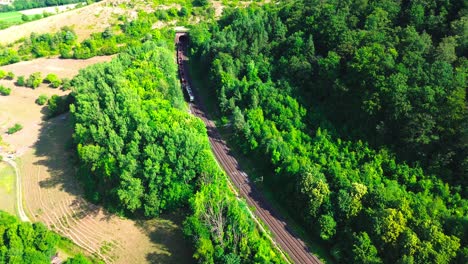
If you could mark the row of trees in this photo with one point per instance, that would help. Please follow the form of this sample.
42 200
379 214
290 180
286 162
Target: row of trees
18 5
308 85
65 44
28 243
141 153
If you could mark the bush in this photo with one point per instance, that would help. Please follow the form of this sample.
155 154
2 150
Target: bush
34 80
25 18
183 12
42 99
66 84
17 127
20 81
4 90
53 79
59 105
10 76
2 74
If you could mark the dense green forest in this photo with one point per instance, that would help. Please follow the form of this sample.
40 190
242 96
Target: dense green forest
356 111
29 243
141 153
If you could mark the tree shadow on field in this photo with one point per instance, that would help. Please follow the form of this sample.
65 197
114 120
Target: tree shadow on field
166 232
53 152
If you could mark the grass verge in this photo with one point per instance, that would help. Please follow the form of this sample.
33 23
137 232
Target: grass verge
66 249
7 189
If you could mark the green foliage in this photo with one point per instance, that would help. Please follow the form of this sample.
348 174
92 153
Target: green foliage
25 18
20 81
28 243
144 127
53 79
333 98
58 105
34 80
10 76
141 152
78 259
66 84
8 56
222 228
15 128
28 4
42 45
42 99
2 74
4 90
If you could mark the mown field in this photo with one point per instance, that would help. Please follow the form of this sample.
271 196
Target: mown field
10 17
7 188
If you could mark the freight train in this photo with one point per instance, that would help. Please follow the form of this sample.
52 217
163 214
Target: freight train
183 78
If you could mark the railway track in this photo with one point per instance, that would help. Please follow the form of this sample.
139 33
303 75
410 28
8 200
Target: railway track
281 233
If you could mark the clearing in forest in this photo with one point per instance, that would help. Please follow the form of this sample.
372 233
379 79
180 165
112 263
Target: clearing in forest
51 192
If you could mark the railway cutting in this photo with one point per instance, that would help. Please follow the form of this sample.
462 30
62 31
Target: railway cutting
282 234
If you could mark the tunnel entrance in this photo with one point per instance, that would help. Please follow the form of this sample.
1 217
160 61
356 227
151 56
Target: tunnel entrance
183 38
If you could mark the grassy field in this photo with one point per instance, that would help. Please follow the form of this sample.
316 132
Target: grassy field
11 17
7 188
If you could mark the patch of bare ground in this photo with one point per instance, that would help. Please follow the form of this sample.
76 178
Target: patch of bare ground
64 68
53 195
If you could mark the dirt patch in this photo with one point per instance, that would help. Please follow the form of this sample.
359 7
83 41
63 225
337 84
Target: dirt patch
62 67
20 106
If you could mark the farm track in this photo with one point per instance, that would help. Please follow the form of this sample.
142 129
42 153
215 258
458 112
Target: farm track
282 234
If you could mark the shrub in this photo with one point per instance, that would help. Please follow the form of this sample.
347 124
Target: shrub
66 84
34 80
59 105
25 18
53 79
17 127
2 74
42 99
10 76
4 90
20 81
183 12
